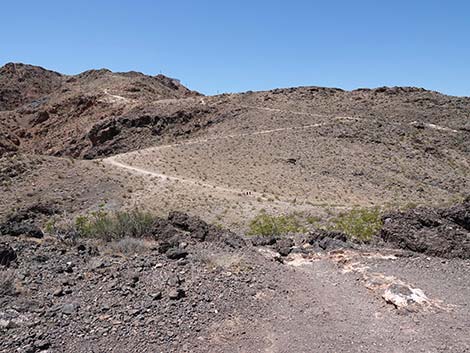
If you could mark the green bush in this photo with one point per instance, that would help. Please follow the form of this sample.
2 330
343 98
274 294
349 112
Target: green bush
117 225
104 225
359 223
269 225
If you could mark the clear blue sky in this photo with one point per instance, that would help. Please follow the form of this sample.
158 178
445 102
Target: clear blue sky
230 46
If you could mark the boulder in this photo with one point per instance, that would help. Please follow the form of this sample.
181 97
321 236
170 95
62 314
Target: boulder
328 240
431 231
284 246
7 254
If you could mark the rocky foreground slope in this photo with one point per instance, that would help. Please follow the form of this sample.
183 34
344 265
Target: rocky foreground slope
192 287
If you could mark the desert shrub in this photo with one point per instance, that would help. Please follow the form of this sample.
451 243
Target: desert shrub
358 223
313 220
268 225
115 225
61 227
103 225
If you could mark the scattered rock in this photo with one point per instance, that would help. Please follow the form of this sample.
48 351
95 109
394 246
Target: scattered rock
197 228
40 117
7 324
402 296
328 240
70 308
263 240
165 245
42 344
156 295
58 292
23 222
16 229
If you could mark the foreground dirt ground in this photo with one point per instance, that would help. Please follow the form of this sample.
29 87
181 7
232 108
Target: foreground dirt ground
93 297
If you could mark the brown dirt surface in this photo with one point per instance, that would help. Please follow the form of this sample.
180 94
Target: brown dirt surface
77 145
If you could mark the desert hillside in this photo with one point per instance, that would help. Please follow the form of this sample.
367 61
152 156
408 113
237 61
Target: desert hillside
137 215
45 112
226 157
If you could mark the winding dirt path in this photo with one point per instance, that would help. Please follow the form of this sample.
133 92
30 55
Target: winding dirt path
117 160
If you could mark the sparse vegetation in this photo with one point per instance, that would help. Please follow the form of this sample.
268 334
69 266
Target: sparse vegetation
313 220
104 225
359 223
268 225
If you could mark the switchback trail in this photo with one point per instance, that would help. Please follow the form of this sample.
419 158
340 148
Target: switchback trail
118 161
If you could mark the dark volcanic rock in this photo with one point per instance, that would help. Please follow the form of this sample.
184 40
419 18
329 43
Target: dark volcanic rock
202 231
263 240
232 240
197 227
176 253
176 294
459 214
103 132
7 254
328 240
23 222
284 246
20 228
437 232
40 118
168 244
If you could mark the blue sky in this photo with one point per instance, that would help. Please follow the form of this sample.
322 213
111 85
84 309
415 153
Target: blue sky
232 46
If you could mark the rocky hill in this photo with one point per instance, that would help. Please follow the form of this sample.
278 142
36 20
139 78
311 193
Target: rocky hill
45 112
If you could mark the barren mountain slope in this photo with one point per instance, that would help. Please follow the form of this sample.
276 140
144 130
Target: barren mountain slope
20 84
48 113
313 147
227 157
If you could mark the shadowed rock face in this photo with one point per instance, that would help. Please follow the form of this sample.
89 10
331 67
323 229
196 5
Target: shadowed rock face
23 222
437 232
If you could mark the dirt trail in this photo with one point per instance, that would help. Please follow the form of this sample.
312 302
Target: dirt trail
119 160
124 161
113 98
414 123
232 136
319 307
220 189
